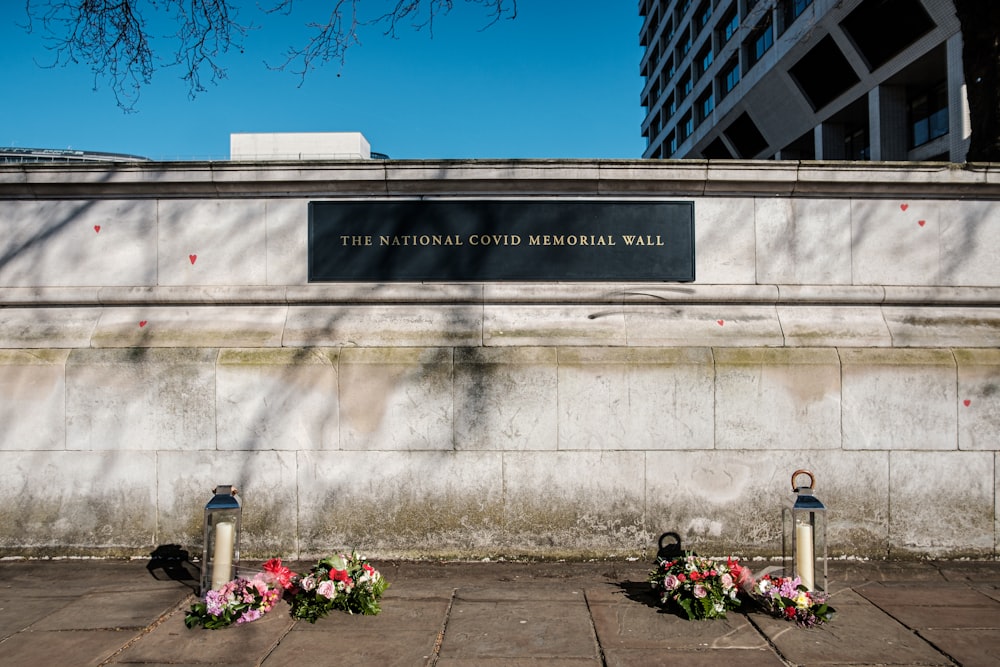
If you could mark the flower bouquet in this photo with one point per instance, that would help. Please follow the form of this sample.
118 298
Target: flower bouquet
702 587
240 601
345 583
786 597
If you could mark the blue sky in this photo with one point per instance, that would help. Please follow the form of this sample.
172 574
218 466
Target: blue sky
560 81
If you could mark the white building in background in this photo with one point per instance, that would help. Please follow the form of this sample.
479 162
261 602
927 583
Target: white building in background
803 79
301 146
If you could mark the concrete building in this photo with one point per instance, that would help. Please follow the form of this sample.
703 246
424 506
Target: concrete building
803 79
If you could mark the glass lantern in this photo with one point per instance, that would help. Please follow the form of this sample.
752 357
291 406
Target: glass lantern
221 552
804 535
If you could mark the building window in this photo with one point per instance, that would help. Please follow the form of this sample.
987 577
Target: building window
761 39
929 115
685 46
704 59
684 87
728 26
706 104
791 10
672 142
729 77
703 14
682 8
667 36
687 124
670 106
856 143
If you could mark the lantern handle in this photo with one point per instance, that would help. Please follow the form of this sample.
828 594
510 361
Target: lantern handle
812 479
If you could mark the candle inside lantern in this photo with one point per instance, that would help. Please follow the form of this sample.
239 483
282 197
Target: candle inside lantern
222 557
804 554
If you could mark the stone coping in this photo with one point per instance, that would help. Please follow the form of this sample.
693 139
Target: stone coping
520 178
502 294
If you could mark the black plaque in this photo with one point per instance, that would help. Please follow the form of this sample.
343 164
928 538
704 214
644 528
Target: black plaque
495 240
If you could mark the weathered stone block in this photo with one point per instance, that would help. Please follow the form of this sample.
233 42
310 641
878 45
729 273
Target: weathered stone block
978 399
140 399
190 326
717 325
383 325
544 325
942 503
899 399
266 482
39 328
211 242
396 399
834 326
777 398
803 241
284 398
403 503
76 243
730 502
943 326
505 398
100 503
287 241
895 242
970 243
724 241
32 399
558 503
636 398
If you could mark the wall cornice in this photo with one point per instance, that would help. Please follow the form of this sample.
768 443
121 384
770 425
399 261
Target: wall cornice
501 178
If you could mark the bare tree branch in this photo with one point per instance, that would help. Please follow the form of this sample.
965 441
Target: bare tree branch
332 37
112 37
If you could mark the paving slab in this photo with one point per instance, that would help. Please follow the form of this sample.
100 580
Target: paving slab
969 648
674 657
859 635
73 647
505 629
405 633
113 610
16 614
172 642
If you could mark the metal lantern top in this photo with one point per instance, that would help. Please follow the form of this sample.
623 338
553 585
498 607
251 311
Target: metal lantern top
224 498
804 495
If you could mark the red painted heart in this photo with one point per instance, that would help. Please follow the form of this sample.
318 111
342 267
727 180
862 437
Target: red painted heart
903 207
967 402
97 228
142 323
193 258
720 322
921 222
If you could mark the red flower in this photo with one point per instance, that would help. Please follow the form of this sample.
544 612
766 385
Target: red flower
281 573
790 612
341 575
681 577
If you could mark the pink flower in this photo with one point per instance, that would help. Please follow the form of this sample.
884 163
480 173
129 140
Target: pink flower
327 589
671 582
249 616
699 591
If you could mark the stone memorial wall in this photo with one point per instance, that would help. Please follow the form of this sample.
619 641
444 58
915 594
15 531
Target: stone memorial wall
159 335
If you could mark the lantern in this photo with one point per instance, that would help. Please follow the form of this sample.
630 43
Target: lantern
804 535
221 540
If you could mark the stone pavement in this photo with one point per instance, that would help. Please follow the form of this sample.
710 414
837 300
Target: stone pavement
97 612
